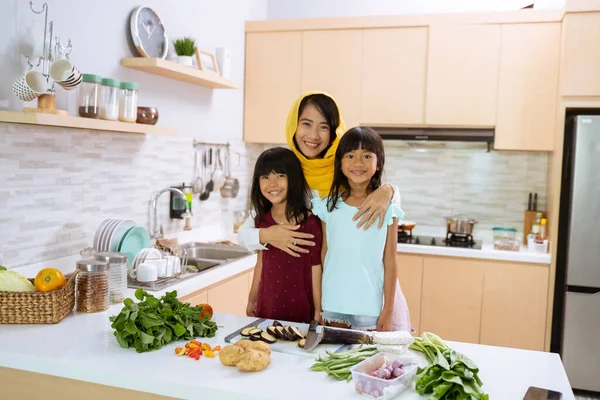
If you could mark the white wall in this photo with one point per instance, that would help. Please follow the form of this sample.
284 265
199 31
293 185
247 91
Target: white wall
57 185
284 9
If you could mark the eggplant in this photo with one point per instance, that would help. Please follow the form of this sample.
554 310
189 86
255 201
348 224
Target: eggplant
271 330
289 333
246 331
277 323
255 331
266 337
280 332
297 332
301 343
256 337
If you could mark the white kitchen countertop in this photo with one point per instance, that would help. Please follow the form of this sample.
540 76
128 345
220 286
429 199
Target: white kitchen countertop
84 348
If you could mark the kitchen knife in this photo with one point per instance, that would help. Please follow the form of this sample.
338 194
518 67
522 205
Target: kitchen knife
530 203
325 334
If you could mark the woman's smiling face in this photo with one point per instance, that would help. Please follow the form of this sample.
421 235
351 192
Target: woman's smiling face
313 133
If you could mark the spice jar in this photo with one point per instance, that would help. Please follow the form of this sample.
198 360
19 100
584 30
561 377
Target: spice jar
128 102
89 96
109 99
91 286
117 275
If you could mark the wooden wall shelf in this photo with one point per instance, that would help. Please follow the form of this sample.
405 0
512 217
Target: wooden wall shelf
179 72
17 117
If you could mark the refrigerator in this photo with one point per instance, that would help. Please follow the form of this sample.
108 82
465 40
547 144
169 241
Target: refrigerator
578 258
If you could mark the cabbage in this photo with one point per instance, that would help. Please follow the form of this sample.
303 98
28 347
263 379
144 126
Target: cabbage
10 281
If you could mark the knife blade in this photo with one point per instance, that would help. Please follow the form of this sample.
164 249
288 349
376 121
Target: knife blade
530 203
313 338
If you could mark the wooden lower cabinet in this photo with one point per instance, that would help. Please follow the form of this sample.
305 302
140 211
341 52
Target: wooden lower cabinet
451 299
514 305
410 276
228 297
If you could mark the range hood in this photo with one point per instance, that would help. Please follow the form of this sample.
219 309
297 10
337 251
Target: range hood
439 134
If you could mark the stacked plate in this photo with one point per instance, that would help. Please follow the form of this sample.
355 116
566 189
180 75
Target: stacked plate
110 233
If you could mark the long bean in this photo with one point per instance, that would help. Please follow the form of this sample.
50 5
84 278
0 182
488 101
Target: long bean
338 365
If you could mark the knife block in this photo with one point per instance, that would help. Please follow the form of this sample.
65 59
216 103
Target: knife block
529 220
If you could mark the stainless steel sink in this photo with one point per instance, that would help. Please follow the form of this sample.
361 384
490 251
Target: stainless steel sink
209 255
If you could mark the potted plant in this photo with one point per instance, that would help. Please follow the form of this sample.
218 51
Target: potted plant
185 48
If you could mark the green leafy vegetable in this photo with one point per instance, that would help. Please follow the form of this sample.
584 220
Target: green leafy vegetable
152 323
450 375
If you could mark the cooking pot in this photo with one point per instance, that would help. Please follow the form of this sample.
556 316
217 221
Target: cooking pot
460 224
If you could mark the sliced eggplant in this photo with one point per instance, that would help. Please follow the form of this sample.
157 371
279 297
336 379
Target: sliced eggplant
301 343
256 337
271 330
277 323
255 331
289 333
297 332
267 337
246 331
280 332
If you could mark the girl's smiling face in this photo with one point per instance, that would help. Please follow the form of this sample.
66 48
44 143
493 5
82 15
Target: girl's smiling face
274 187
313 133
359 166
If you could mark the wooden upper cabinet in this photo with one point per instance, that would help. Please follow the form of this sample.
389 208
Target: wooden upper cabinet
273 83
410 277
451 300
331 62
462 75
581 55
527 87
514 305
394 76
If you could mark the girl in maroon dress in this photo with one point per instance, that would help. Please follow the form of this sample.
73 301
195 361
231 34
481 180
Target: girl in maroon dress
284 287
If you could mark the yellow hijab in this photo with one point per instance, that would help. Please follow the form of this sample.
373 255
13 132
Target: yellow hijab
318 172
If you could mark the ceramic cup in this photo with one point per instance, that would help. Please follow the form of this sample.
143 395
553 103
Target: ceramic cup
173 265
30 86
147 272
65 74
161 267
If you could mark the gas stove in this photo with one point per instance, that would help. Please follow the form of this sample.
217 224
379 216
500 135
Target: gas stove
451 240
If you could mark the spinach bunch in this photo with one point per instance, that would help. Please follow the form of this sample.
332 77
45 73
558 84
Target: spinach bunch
450 375
152 323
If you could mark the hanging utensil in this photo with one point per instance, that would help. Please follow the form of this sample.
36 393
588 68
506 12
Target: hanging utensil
211 184
219 174
206 193
197 182
231 187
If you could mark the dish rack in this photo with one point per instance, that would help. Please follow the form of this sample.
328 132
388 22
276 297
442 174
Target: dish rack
162 283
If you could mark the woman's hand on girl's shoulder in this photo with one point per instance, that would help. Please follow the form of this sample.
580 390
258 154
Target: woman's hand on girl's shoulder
286 238
375 206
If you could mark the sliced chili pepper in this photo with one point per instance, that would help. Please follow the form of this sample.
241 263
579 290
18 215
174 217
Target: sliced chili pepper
197 343
197 356
216 348
209 354
206 346
194 346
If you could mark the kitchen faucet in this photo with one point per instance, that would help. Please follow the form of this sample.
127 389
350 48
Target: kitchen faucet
155 231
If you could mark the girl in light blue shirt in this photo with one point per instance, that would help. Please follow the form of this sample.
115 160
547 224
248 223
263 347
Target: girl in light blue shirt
359 283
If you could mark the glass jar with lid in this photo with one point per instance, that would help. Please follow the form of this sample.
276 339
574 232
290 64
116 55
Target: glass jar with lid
117 275
89 96
128 102
91 286
109 99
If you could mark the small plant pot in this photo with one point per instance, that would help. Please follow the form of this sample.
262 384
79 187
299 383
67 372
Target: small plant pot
184 60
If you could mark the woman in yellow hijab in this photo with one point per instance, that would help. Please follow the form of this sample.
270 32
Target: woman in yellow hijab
313 130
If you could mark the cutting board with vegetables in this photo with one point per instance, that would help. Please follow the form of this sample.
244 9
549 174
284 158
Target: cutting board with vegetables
287 337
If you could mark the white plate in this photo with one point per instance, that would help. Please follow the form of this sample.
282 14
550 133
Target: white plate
117 234
102 233
99 232
109 229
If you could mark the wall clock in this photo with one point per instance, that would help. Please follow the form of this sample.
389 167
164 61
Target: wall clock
148 33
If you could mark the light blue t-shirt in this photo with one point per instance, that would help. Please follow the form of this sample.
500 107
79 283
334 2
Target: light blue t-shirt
353 272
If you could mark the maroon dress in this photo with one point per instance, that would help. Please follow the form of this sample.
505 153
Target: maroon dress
285 290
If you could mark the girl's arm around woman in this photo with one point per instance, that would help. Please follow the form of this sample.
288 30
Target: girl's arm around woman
390 277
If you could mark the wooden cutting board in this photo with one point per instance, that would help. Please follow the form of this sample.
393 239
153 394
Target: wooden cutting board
286 346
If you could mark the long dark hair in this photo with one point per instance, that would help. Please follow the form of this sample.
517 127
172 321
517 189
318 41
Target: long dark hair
281 161
356 138
327 107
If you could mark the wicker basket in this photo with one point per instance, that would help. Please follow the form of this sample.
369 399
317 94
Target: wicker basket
38 307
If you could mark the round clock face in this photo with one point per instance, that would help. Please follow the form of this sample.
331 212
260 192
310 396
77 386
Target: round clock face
148 33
